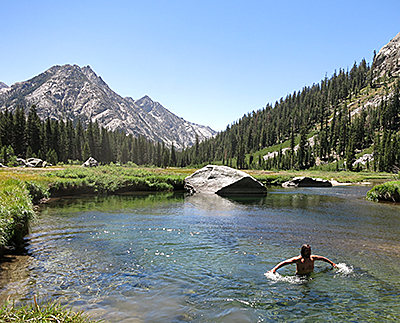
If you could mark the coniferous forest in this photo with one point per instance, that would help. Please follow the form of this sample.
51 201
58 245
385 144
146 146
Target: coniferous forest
62 142
329 124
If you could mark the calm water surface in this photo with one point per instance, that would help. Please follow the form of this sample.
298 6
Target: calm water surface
170 258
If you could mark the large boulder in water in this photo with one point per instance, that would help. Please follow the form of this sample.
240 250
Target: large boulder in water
224 181
307 182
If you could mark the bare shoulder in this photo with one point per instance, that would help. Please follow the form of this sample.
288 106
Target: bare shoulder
295 259
316 257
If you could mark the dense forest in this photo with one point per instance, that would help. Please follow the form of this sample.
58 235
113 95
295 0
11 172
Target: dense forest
328 123
57 141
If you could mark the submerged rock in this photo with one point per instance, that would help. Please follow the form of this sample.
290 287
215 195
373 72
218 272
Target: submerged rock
224 181
307 182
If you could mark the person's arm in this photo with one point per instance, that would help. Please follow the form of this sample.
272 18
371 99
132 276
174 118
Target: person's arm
284 263
316 257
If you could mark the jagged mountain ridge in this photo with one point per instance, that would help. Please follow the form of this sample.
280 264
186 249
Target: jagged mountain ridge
73 92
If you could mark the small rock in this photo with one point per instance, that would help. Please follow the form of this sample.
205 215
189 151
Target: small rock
307 182
91 162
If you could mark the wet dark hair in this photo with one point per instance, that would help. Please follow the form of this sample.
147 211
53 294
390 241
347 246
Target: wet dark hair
304 247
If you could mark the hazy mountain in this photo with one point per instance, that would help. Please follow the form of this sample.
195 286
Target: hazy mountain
72 92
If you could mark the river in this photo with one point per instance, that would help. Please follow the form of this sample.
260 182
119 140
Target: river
170 258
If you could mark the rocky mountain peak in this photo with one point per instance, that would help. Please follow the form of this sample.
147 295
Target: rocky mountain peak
387 61
146 103
78 93
3 85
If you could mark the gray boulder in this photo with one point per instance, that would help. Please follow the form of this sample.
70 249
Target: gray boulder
307 182
36 162
21 162
91 162
224 181
32 162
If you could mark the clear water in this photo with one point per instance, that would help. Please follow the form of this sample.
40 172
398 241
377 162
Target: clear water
170 258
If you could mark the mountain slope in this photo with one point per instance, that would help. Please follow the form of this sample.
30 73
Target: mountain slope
72 92
349 121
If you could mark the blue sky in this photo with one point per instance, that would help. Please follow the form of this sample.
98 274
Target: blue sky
209 62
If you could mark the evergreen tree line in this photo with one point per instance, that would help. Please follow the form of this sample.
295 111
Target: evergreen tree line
320 112
321 109
58 141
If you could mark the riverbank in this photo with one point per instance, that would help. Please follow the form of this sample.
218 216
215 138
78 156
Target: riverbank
21 188
338 178
389 191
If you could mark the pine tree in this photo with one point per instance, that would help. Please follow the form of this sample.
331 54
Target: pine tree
173 160
79 141
33 131
19 139
86 151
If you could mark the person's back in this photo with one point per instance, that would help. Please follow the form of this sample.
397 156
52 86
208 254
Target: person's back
304 262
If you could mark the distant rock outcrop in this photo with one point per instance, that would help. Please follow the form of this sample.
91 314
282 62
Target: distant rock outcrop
307 182
91 162
32 162
387 61
224 181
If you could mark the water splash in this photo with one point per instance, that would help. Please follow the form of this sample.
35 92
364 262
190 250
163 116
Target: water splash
289 279
344 269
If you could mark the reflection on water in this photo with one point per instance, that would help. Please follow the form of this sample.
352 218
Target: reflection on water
171 258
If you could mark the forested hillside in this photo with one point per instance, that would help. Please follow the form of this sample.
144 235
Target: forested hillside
329 123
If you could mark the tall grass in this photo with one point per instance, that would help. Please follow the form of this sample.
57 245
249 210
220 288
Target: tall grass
111 179
46 313
16 211
389 191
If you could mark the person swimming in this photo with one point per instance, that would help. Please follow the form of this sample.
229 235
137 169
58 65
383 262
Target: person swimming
304 262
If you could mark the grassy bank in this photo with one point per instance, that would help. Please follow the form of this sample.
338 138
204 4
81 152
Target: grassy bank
277 178
111 179
16 210
20 188
389 191
46 313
